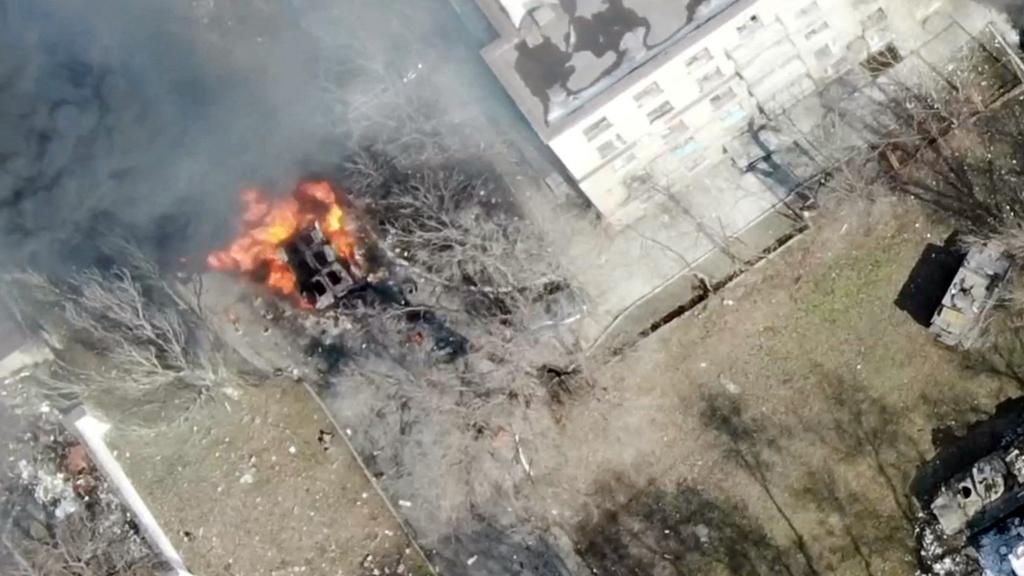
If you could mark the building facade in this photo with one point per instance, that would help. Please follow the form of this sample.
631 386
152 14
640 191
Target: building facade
626 90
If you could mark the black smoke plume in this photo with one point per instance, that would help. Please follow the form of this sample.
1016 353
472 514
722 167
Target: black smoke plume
146 117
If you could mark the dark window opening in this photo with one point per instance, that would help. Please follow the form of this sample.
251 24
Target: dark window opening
648 94
663 109
749 27
333 277
596 129
699 59
318 287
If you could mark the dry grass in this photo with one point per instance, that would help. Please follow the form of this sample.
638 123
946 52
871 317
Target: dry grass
835 390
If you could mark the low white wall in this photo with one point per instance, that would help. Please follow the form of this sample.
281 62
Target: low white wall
92 432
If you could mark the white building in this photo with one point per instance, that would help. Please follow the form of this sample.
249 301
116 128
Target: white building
624 88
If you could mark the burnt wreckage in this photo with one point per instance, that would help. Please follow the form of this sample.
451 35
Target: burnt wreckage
323 275
327 279
974 489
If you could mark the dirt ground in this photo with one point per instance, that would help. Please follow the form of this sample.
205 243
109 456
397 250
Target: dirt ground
259 482
773 430
800 400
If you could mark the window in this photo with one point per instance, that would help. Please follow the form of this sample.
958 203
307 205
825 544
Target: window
663 109
648 94
722 98
690 155
608 148
824 54
319 288
808 10
596 129
815 32
711 79
687 148
699 59
749 27
733 116
333 278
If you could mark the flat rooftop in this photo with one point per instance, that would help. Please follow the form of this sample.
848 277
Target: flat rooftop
564 53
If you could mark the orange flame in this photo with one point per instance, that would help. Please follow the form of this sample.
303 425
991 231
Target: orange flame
267 225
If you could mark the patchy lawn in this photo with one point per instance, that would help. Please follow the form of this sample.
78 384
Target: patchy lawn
775 429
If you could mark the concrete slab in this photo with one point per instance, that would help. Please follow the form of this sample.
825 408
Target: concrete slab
17 350
28 355
680 292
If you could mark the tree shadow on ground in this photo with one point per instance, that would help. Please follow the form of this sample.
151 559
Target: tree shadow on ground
484 547
860 426
872 517
862 521
681 531
855 528
748 443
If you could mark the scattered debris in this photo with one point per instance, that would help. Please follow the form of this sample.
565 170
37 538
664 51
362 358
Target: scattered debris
50 488
60 514
324 438
522 457
728 384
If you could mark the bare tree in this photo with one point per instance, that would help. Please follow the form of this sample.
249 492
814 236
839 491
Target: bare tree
921 131
454 429
459 235
119 332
